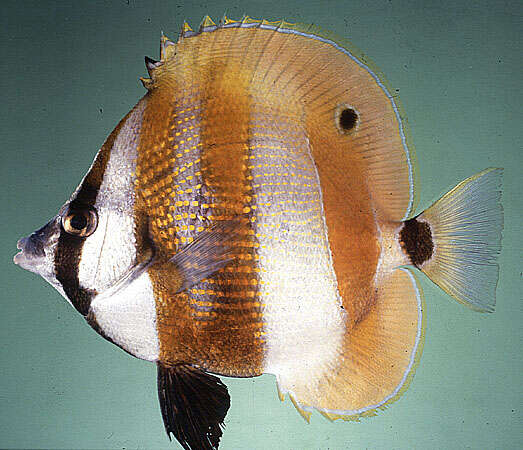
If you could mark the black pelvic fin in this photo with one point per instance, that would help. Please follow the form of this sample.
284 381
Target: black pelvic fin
194 405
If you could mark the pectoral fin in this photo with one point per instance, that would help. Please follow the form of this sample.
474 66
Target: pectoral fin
194 405
210 251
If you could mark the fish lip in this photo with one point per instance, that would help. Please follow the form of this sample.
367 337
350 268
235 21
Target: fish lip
20 245
26 262
17 259
21 257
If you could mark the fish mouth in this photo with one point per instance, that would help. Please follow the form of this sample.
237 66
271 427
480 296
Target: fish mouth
21 243
36 248
33 264
22 259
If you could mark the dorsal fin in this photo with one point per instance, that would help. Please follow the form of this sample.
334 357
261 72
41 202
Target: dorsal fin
206 24
354 121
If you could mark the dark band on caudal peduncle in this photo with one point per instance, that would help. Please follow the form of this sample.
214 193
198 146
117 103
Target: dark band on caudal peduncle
416 240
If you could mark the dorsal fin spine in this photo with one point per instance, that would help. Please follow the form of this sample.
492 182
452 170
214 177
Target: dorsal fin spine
207 24
225 21
151 65
267 24
166 47
248 21
186 30
147 83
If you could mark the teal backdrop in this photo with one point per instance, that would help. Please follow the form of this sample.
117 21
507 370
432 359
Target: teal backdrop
70 72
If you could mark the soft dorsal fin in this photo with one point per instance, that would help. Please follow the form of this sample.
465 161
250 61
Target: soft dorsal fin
354 121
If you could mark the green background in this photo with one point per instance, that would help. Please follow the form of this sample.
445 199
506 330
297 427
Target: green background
69 73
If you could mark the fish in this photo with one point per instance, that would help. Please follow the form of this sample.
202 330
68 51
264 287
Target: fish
255 213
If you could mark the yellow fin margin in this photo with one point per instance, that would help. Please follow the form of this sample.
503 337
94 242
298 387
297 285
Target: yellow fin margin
305 414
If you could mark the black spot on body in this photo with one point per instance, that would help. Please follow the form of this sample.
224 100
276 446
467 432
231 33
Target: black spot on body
416 240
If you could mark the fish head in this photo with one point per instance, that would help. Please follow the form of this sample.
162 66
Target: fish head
96 240
84 251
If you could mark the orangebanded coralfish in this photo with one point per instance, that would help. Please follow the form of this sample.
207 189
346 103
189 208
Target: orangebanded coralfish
255 213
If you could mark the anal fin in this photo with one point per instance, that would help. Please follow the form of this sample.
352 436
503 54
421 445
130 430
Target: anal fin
378 358
194 405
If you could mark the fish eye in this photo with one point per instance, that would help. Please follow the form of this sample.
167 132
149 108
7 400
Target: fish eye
347 118
80 222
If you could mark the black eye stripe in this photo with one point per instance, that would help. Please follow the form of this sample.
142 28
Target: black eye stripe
67 261
69 248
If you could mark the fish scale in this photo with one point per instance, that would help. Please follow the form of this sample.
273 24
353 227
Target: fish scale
295 261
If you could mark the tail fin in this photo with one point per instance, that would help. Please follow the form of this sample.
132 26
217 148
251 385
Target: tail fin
459 246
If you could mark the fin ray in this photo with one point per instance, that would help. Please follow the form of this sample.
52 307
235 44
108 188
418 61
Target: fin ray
210 251
193 404
466 225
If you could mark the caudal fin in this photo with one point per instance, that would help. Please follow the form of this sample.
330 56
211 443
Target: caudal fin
459 247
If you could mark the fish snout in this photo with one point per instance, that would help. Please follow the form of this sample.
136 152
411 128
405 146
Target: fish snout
30 251
32 248
20 259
